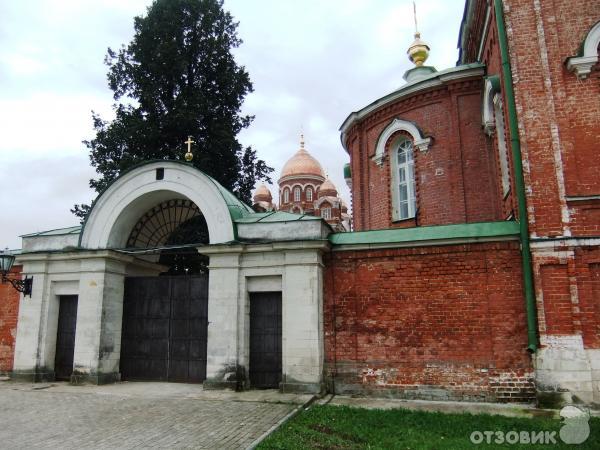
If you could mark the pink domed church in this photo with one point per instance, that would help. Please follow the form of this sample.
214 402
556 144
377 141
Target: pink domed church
305 189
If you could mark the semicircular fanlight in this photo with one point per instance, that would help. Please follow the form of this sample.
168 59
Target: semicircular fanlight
158 225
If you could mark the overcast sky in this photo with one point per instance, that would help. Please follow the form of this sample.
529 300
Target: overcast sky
312 63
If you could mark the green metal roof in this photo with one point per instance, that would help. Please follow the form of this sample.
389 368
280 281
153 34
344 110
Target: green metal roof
237 208
55 232
469 230
275 216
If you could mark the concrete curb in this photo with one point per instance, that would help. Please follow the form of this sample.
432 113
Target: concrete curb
281 421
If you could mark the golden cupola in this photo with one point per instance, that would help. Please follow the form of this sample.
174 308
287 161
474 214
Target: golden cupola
327 189
418 52
262 194
302 164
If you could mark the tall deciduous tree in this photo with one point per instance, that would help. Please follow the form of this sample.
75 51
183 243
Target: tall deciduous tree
177 78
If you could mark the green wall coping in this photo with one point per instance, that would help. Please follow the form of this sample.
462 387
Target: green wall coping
429 233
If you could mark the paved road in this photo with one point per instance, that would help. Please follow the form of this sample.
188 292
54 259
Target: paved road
140 415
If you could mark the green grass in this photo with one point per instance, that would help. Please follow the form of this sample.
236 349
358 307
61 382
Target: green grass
337 427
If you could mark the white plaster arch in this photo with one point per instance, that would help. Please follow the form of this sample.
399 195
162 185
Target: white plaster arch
582 64
119 207
490 88
420 142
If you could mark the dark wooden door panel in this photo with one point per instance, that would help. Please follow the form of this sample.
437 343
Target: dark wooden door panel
165 328
65 337
265 339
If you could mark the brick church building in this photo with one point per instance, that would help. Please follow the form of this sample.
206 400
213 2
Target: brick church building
304 188
472 271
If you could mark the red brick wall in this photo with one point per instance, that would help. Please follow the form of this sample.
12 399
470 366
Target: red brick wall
303 183
455 179
443 322
557 299
559 131
559 115
9 313
491 57
567 281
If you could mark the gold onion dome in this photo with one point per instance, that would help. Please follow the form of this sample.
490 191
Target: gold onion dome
327 189
262 193
418 52
302 163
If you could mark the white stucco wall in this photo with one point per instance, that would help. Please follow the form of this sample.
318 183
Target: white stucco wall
118 209
295 269
97 278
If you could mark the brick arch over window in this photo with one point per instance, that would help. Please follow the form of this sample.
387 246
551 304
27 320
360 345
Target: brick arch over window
420 142
588 57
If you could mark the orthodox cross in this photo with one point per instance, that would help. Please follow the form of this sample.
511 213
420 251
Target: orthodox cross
189 143
189 155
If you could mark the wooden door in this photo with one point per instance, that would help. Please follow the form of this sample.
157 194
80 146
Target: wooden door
65 337
265 339
165 323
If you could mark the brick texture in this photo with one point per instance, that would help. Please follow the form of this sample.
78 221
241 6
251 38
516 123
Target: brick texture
9 313
456 180
444 322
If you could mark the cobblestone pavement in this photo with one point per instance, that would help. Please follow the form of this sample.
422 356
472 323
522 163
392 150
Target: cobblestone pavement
61 416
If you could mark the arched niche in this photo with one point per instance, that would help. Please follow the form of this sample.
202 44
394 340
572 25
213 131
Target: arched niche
129 197
490 88
420 142
588 56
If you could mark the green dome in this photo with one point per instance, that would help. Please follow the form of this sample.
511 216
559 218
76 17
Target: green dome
347 171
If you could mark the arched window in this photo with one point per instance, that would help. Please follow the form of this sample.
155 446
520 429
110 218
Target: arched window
326 213
403 180
309 194
296 194
286 195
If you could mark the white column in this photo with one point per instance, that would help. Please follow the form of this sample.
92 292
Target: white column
32 316
303 348
222 369
99 321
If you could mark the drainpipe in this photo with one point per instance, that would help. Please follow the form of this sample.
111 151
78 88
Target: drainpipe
530 307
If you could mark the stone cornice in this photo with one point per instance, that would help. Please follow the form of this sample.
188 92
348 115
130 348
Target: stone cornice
322 245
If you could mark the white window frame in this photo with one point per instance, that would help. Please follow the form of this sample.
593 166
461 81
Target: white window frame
502 147
403 174
297 193
309 194
286 195
326 213
582 64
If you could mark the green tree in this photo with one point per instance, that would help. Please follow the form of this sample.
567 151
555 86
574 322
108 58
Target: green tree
177 78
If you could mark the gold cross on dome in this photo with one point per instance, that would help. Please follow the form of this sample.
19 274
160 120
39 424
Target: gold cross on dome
189 143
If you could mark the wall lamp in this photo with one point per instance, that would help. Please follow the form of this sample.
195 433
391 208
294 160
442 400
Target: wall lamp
7 260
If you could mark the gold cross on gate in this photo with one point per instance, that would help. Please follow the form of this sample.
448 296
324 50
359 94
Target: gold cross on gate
189 143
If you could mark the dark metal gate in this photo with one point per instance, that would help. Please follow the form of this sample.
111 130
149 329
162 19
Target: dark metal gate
165 322
265 339
65 337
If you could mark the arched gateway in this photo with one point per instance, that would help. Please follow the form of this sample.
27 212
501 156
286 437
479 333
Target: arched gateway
129 295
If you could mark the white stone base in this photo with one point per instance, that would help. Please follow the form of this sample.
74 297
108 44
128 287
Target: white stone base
566 373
